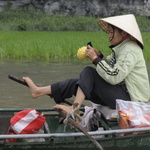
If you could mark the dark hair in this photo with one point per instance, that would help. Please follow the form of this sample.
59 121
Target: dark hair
114 27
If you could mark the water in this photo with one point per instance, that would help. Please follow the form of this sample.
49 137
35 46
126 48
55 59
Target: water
14 95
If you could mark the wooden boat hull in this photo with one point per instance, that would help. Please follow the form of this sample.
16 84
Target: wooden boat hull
71 139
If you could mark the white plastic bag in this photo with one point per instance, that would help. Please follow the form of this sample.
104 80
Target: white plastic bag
133 114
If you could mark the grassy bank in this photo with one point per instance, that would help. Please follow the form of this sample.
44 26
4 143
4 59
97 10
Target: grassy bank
32 45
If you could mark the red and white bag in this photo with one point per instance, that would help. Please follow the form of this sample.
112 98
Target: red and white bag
27 122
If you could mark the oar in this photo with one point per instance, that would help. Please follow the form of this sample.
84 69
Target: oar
62 113
14 78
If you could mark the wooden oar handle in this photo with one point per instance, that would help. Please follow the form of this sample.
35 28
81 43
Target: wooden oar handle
14 78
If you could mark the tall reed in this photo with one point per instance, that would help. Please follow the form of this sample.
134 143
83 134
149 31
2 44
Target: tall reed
32 45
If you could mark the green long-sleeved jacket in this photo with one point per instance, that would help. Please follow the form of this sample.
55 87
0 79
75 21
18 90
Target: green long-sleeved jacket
129 67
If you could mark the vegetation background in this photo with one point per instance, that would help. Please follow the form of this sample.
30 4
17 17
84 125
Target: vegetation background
34 35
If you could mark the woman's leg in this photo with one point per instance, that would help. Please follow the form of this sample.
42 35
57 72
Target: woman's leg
90 86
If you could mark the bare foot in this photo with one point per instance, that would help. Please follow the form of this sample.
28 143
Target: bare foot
67 109
33 88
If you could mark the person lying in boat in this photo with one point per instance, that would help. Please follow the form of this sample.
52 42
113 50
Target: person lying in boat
121 75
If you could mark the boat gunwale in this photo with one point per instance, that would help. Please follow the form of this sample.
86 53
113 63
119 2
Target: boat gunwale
79 134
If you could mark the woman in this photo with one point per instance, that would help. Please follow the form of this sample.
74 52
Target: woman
122 75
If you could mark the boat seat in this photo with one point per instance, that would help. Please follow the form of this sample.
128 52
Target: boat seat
5 123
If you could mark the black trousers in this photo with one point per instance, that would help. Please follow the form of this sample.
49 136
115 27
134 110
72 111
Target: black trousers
95 88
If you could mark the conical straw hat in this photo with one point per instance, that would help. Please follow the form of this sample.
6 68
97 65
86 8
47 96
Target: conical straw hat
125 22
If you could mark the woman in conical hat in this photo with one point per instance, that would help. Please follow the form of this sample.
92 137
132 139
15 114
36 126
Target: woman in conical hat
126 23
121 75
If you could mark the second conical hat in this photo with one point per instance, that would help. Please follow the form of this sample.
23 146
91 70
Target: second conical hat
125 22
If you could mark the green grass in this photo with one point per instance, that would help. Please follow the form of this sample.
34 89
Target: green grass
34 45
46 45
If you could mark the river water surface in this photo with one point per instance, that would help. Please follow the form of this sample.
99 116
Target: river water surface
14 95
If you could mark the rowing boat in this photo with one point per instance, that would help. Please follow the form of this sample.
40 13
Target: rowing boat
53 135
